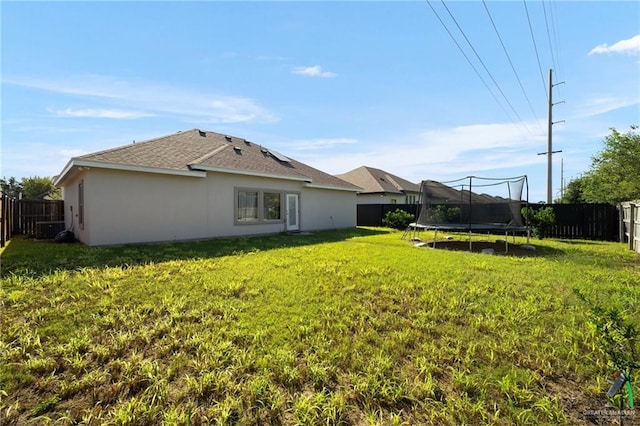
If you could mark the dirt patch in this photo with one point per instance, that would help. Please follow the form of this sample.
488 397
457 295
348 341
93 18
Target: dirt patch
486 247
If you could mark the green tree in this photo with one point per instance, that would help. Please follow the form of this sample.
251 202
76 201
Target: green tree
573 193
615 171
11 187
37 187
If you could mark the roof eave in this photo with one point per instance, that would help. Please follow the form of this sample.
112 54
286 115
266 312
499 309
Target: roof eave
336 188
381 193
248 173
65 172
77 163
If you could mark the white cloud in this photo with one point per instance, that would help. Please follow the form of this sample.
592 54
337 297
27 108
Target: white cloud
604 104
101 113
315 71
49 161
454 141
438 154
228 109
156 99
88 85
629 46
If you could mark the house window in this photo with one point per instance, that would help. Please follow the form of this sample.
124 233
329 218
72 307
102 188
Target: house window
258 206
81 204
271 206
247 206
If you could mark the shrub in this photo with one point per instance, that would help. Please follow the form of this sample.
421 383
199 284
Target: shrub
445 214
398 219
619 339
540 220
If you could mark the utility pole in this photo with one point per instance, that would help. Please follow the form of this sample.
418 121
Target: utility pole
562 178
550 150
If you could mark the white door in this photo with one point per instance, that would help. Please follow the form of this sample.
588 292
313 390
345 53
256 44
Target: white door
293 212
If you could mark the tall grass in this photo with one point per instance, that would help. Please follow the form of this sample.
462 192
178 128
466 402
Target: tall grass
344 327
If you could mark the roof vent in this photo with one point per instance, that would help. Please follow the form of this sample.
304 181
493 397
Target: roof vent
203 134
237 149
228 138
247 142
263 150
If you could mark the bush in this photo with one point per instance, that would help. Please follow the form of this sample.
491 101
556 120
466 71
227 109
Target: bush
619 339
443 214
541 220
398 219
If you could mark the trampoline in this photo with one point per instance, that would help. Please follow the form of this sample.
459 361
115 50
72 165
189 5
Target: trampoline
474 205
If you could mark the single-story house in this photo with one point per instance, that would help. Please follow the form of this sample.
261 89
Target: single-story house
198 185
380 187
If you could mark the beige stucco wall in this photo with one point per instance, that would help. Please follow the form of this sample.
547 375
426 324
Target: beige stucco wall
221 193
70 197
130 207
324 209
385 198
124 207
380 199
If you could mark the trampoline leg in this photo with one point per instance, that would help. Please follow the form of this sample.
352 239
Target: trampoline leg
506 241
406 232
470 243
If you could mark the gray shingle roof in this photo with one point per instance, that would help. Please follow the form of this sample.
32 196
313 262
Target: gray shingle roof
204 150
439 192
373 180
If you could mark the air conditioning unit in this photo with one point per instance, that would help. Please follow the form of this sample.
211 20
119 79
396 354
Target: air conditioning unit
48 230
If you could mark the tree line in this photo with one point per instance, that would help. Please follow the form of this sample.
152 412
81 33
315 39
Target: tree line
34 188
614 175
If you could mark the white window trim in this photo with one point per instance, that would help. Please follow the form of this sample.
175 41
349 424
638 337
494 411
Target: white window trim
261 220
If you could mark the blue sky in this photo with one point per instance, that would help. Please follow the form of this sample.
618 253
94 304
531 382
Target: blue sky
336 85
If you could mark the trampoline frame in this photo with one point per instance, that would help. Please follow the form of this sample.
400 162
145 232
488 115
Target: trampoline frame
474 227
414 227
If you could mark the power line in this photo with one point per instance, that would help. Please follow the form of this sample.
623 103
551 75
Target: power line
510 62
536 49
485 67
546 22
468 60
554 25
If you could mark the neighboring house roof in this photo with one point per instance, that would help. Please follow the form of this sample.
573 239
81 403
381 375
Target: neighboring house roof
438 191
194 152
373 180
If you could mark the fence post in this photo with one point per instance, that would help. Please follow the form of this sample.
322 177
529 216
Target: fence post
621 222
632 225
3 204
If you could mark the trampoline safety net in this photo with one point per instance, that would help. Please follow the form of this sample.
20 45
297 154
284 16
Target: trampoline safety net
474 204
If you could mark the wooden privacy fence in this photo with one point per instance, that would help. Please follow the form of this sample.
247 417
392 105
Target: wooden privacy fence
573 221
372 214
7 214
584 221
27 217
630 224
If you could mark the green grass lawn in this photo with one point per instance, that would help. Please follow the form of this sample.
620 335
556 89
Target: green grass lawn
344 327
